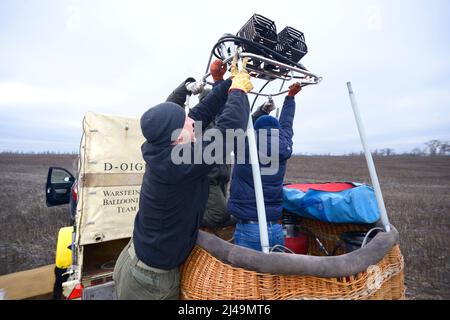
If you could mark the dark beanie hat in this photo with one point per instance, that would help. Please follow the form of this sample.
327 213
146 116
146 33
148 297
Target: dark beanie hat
267 122
158 123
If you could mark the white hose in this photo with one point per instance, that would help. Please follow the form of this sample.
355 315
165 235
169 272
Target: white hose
367 235
283 247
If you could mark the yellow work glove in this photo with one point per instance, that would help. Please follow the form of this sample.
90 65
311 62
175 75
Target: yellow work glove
241 79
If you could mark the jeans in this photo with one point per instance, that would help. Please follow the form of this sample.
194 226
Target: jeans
247 235
134 280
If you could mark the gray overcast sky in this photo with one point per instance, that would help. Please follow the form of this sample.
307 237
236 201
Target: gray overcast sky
62 58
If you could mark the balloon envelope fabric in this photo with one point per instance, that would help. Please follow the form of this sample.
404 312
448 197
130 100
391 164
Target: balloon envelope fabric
346 203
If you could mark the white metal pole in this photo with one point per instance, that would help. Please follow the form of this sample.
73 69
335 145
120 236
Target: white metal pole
264 237
370 164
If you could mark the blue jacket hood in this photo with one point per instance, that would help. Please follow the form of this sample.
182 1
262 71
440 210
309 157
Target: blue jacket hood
267 122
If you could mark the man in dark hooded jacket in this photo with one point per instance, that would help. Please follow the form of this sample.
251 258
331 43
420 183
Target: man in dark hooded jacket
242 201
173 196
216 213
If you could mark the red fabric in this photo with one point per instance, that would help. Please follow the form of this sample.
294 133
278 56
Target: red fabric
298 245
328 186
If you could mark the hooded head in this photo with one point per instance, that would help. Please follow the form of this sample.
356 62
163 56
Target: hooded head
267 122
159 122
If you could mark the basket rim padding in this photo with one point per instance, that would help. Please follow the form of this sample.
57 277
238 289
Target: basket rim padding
296 264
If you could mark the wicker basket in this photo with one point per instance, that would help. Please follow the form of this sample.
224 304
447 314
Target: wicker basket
205 277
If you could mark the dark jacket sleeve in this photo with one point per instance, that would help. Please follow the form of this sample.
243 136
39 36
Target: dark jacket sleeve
235 113
178 95
234 116
207 109
215 84
286 132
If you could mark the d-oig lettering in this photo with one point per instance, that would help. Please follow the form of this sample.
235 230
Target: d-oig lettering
124 166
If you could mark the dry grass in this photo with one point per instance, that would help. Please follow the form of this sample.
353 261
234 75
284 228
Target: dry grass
28 229
416 192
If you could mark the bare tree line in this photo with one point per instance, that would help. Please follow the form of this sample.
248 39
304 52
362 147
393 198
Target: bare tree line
432 148
21 152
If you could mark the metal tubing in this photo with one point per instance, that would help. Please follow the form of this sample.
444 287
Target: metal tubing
279 64
254 161
209 73
370 164
261 94
309 79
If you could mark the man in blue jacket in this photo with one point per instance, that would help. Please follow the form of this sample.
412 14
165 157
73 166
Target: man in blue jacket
173 196
242 201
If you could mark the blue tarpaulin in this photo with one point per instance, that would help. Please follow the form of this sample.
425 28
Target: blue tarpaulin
354 205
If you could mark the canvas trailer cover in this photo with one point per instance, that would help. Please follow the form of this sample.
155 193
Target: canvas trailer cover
110 177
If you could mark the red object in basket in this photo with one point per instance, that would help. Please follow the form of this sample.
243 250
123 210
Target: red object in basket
327 186
298 244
